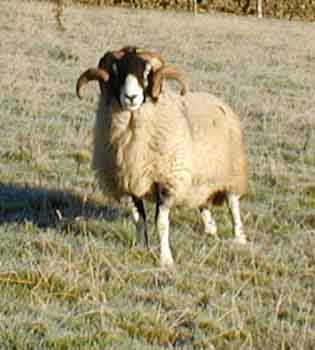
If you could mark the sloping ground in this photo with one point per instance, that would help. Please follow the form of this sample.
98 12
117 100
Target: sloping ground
70 276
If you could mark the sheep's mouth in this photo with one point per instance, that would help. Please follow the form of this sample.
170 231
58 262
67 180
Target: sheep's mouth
131 93
133 107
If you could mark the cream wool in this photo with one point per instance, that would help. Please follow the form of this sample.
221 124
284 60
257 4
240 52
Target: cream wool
192 145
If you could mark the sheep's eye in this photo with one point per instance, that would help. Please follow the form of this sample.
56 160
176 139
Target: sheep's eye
146 82
115 69
147 70
146 73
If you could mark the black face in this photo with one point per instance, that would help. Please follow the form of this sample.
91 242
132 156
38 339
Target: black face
122 64
133 65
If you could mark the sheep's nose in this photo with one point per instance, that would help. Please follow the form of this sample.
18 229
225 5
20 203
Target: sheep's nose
131 98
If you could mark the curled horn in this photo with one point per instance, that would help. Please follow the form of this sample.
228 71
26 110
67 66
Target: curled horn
152 57
90 75
160 72
168 72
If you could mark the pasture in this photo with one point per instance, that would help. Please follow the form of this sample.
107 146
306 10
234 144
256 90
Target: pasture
71 276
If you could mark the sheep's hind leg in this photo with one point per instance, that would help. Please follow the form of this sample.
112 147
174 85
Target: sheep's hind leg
162 223
139 218
234 206
209 223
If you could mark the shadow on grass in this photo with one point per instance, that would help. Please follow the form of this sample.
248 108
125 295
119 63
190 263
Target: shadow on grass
47 207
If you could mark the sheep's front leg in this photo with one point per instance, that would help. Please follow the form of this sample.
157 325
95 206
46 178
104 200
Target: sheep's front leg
210 226
162 223
234 206
139 218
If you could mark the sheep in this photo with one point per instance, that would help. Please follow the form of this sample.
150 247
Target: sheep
173 149
153 69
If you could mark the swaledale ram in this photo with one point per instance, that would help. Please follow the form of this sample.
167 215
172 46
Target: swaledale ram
173 149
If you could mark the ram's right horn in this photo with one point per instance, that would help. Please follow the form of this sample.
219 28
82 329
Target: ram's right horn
90 75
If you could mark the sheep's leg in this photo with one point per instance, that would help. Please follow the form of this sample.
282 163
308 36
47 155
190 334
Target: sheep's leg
139 217
234 205
159 201
163 228
162 223
209 223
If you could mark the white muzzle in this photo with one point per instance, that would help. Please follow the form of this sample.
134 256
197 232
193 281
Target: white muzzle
131 94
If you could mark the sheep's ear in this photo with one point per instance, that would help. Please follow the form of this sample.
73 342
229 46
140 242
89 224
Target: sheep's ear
110 58
167 72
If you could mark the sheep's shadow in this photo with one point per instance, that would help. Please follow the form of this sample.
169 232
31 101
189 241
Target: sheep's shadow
47 207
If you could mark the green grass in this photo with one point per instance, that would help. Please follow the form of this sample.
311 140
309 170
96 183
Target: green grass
71 276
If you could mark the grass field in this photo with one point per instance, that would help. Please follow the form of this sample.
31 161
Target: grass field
70 274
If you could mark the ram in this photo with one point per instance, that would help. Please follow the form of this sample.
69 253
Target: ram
173 149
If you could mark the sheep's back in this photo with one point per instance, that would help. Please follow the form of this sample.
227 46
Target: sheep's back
220 161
